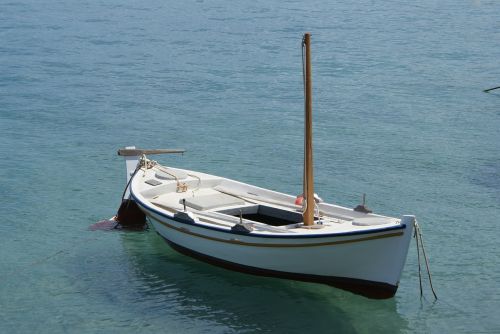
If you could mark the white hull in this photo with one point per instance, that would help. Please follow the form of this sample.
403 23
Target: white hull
367 260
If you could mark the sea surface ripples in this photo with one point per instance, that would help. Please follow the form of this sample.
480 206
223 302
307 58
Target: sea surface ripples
399 114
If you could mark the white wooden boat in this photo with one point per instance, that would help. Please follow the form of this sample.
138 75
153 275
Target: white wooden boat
259 231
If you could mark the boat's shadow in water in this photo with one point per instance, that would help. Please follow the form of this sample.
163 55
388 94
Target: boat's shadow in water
245 302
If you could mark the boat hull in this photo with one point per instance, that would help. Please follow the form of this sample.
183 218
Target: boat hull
369 264
370 289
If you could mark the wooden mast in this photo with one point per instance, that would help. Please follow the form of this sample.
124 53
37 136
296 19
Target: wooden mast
308 147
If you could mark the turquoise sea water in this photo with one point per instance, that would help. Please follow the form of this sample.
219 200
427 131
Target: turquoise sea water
399 114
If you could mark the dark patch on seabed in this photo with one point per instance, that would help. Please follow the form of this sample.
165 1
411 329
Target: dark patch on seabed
488 175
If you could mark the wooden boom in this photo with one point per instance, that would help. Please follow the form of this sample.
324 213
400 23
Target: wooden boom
128 152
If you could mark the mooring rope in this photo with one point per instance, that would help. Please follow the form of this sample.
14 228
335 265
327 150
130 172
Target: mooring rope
490 89
181 187
198 185
418 259
46 258
137 168
420 240
148 164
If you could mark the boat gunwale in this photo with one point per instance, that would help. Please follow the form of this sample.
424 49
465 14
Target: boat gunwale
262 235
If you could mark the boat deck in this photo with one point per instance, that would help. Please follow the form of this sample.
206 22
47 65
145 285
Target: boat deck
223 203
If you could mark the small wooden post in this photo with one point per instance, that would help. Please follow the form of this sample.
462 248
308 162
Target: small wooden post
308 145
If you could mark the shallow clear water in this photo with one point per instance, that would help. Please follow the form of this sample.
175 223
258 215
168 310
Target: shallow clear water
399 114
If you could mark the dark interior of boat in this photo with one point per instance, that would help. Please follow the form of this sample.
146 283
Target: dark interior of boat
266 214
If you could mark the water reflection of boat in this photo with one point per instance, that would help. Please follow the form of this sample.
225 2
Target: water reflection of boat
172 285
